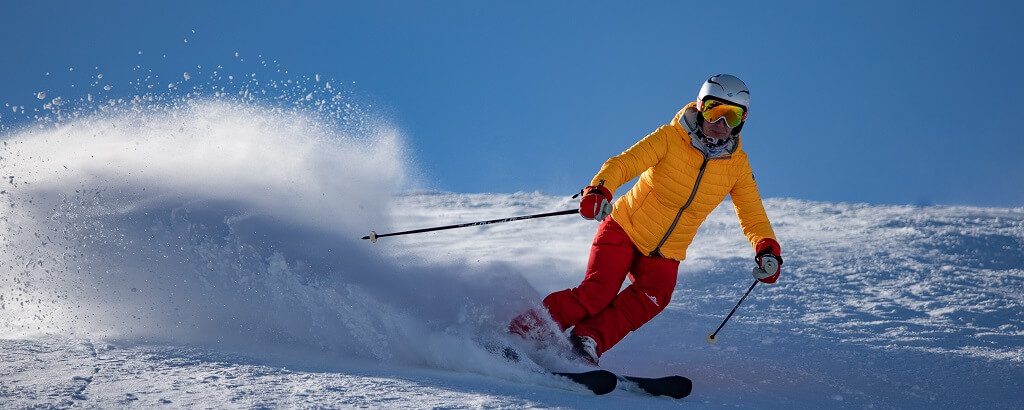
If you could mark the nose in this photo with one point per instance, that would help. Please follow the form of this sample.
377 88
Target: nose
720 123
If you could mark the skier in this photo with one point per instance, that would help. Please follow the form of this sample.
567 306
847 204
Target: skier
686 168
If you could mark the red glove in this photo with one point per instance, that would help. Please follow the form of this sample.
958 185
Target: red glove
596 202
769 260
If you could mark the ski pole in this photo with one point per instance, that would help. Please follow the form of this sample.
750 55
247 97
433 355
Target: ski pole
711 337
373 236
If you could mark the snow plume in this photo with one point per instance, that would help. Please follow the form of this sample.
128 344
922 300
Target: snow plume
217 223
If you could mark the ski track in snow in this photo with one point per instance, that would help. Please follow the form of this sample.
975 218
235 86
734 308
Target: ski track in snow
169 269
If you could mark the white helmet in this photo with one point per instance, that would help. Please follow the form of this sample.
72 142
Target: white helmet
726 87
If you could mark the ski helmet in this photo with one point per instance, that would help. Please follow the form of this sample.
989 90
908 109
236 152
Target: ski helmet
726 87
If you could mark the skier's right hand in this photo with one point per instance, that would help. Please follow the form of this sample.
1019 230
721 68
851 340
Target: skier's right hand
596 202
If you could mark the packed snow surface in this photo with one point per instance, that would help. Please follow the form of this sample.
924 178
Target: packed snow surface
209 256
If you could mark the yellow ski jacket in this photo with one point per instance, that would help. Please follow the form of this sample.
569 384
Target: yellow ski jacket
679 185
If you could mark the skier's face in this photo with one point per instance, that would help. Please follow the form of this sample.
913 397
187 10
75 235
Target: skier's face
717 130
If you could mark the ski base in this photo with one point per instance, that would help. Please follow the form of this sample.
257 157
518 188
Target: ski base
675 387
598 381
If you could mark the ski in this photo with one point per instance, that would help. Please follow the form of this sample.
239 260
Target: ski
602 381
598 381
675 387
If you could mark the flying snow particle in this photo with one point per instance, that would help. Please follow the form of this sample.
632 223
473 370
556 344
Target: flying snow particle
187 76
107 87
41 95
318 77
99 76
56 101
309 96
236 54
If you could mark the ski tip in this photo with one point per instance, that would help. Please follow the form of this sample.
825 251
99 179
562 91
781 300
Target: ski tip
676 387
683 387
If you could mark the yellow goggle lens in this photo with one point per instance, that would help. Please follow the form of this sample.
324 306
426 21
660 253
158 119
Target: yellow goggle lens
713 110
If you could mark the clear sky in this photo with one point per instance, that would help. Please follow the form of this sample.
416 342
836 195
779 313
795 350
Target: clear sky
883 102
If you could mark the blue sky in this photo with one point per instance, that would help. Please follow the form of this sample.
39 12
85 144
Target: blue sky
880 102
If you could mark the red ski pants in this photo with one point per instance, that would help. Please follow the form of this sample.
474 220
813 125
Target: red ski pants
596 307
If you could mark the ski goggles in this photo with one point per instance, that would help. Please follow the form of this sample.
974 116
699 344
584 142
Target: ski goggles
713 110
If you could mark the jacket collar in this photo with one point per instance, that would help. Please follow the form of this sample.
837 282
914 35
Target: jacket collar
686 119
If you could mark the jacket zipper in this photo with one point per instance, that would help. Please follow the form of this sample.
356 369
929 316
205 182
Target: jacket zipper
693 193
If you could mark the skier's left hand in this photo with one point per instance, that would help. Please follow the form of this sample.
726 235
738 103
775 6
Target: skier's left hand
769 260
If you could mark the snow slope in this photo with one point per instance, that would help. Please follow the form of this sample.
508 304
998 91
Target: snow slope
208 255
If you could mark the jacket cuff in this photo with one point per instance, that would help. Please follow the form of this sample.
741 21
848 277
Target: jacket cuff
768 245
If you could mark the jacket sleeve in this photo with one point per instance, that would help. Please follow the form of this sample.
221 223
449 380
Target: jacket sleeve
749 208
644 154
